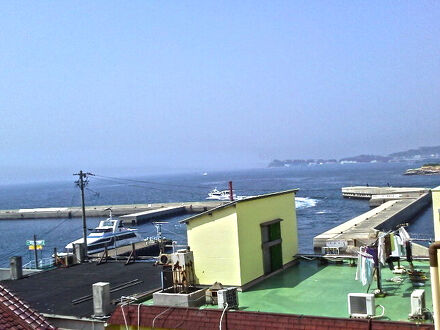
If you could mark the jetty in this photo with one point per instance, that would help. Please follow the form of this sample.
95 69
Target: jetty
397 206
140 217
367 192
136 212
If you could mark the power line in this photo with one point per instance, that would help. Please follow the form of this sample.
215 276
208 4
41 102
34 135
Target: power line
150 182
149 187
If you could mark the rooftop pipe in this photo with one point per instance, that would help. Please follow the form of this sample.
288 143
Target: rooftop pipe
433 263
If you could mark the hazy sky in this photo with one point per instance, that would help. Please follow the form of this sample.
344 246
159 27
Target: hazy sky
179 85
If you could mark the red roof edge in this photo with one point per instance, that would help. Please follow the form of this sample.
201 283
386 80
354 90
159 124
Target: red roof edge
194 318
18 314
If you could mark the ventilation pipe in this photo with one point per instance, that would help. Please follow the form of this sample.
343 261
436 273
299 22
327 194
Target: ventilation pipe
16 268
79 250
433 263
231 191
101 299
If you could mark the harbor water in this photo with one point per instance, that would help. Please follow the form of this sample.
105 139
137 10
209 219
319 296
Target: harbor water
319 202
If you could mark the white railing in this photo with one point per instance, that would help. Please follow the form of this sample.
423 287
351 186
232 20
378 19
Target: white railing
42 264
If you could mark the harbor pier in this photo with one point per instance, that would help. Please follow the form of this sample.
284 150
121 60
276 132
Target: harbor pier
143 216
152 211
364 229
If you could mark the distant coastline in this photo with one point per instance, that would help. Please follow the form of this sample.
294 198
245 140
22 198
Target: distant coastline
427 169
421 154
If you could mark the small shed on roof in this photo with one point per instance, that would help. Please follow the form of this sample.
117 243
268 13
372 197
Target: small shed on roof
244 241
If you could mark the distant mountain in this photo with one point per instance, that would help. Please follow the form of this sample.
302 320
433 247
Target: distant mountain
366 159
422 153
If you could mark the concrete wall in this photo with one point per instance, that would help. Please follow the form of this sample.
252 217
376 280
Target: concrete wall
5 273
250 215
407 214
66 322
214 242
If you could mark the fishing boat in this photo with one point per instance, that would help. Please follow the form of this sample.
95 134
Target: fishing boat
110 233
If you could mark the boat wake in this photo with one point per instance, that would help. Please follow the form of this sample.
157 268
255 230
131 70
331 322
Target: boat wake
305 202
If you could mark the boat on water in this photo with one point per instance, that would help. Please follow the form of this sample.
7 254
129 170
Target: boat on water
110 233
220 195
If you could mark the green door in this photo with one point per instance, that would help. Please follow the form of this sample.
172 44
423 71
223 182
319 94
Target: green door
276 257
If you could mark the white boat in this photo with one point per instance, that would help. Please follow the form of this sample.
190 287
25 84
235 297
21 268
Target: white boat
111 233
223 195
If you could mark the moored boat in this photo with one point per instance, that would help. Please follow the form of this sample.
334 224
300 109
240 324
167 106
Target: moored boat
110 233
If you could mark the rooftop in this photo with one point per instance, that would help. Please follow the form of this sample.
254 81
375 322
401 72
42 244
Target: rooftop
53 291
310 288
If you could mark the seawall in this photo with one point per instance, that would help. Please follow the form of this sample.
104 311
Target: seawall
102 210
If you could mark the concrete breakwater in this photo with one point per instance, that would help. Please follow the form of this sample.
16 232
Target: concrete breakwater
364 229
367 192
103 210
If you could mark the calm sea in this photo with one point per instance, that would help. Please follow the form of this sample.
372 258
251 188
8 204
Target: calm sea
320 205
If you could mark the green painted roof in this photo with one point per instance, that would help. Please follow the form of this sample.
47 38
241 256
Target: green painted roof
239 201
321 290
313 289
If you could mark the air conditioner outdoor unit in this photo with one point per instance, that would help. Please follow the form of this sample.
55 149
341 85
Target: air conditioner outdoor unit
417 303
227 296
361 305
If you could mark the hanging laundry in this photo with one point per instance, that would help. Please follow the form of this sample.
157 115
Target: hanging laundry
373 252
387 246
392 243
399 248
408 248
365 268
404 235
381 251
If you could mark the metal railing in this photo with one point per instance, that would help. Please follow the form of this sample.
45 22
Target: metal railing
44 263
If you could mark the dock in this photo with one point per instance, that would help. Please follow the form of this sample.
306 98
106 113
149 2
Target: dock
364 229
367 192
155 209
140 217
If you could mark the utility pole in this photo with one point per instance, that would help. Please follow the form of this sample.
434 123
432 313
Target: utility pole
82 182
35 251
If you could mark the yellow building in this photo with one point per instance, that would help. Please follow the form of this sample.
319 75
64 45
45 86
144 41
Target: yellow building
242 242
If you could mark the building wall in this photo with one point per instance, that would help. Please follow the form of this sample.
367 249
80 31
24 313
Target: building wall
214 242
250 215
435 209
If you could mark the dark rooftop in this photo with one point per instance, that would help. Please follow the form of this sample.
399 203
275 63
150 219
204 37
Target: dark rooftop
53 291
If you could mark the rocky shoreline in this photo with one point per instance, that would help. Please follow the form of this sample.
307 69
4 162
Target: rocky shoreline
424 170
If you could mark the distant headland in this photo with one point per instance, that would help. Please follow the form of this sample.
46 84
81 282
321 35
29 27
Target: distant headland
421 154
426 169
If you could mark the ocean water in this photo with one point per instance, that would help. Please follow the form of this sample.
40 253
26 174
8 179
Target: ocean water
319 202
